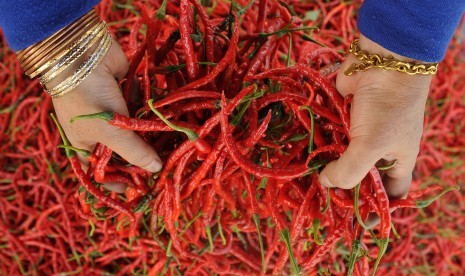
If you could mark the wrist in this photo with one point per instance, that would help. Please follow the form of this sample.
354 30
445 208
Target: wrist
373 47
377 57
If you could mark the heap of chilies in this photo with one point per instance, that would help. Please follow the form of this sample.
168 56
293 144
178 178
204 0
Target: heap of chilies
240 104
244 131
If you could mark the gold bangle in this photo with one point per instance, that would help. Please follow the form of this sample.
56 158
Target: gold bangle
369 61
44 48
77 50
23 54
59 45
84 70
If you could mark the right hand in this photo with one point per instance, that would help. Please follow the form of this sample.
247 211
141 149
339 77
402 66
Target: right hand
100 92
386 124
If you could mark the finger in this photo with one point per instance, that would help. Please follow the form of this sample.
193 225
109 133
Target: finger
398 179
118 63
345 85
134 149
351 167
116 187
82 159
372 220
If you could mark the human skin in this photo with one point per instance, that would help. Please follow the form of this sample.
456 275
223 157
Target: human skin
386 124
100 92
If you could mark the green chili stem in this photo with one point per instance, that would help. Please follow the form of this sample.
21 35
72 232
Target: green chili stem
387 167
69 153
188 224
356 245
245 8
240 236
168 249
374 237
288 61
286 237
315 231
328 202
427 202
84 152
161 12
357 211
382 249
107 116
256 220
394 231
210 239
143 203
285 30
92 228
192 135
220 231
312 127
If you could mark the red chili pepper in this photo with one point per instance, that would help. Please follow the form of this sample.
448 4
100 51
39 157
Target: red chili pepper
384 213
332 93
200 174
247 165
329 241
208 29
99 171
229 56
217 185
136 59
187 44
89 186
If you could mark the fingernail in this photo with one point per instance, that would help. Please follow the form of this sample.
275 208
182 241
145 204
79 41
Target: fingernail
325 182
155 166
115 187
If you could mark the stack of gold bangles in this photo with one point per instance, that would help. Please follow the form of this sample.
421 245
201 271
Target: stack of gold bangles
51 57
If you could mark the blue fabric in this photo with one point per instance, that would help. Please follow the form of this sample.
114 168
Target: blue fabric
25 22
418 29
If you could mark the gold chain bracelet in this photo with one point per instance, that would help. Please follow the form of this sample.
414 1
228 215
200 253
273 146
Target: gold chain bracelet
369 61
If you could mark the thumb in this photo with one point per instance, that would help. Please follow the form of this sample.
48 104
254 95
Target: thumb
134 149
351 167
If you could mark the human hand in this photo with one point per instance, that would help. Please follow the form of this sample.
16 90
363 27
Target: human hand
100 92
386 124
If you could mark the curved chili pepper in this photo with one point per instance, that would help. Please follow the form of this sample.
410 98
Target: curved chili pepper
332 93
329 241
229 56
247 165
187 44
385 214
99 170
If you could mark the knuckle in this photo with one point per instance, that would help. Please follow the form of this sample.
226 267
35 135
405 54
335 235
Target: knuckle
342 85
114 133
141 158
341 181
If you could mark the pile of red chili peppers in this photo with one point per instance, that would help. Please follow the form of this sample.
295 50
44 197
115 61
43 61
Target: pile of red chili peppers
237 97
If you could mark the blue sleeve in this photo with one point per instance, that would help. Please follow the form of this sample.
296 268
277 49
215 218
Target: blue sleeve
25 22
418 29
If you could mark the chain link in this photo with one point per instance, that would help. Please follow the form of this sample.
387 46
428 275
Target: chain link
375 61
